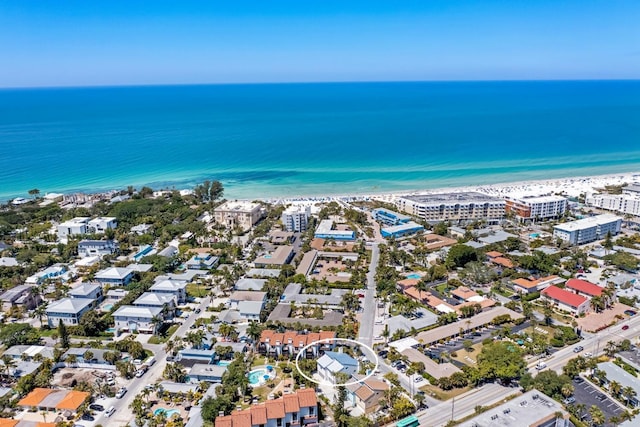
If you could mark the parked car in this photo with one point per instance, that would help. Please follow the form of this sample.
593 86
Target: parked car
541 365
87 417
121 393
96 407
587 354
110 411
569 400
418 379
625 327
197 311
140 373
578 349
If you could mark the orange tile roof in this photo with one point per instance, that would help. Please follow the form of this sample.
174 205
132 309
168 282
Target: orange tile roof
464 292
35 397
494 254
307 397
526 283
416 294
364 393
291 403
266 335
289 336
503 262
6 422
226 421
258 414
584 287
313 336
72 400
326 335
241 418
277 337
275 409
46 425
405 283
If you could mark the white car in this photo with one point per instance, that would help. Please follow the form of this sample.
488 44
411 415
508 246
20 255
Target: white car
418 379
121 393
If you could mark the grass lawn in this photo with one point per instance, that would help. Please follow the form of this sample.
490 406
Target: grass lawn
161 339
440 394
473 354
442 288
48 332
197 291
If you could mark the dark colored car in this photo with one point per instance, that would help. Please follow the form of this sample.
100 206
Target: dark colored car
197 310
96 407
87 417
625 327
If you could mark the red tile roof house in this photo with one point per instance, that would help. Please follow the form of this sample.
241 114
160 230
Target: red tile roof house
294 410
584 288
566 300
291 342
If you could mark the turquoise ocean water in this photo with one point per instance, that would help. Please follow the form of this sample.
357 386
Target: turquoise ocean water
315 139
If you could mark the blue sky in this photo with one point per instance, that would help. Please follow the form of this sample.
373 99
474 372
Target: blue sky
78 43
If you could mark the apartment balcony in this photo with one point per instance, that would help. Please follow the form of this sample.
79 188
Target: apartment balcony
309 419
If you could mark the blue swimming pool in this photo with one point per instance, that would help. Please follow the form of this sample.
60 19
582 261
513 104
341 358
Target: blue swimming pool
534 235
223 363
413 276
258 376
167 412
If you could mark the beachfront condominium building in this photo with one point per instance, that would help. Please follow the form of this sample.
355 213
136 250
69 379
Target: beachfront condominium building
454 207
326 230
238 214
587 230
536 208
295 218
389 217
622 203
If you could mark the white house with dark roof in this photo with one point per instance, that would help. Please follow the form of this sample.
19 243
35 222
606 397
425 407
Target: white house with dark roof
175 288
87 290
333 363
88 248
137 319
69 310
114 276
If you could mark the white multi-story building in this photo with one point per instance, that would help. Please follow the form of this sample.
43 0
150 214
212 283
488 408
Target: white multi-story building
535 208
240 214
73 227
463 206
588 229
622 203
138 319
296 218
102 223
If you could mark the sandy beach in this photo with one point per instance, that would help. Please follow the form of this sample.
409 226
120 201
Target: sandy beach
570 187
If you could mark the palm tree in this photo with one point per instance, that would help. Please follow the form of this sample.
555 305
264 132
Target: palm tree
8 363
71 359
254 331
567 390
39 312
597 303
155 321
611 348
615 388
597 416
628 393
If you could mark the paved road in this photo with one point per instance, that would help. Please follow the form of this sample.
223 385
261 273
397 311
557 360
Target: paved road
123 414
464 405
369 304
595 344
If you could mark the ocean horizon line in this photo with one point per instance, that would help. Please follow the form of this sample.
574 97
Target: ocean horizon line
312 82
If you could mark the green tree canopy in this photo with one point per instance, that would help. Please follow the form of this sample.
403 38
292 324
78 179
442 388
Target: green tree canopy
459 255
500 360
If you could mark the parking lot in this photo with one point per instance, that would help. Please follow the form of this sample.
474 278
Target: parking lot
589 395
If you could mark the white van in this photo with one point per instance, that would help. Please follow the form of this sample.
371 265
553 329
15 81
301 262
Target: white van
110 411
540 366
150 361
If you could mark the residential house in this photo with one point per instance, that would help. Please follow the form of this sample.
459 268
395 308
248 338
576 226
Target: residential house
69 310
565 300
166 302
97 359
239 296
8 262
250 310
291 410
20 296
73 227
91 291
55 272
89 248
141 229
54 400
175 288
246 284
101 224
528 286
367 394
206 372
194 354
333 363
116 294
138 319
29 352
202 262
115 276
